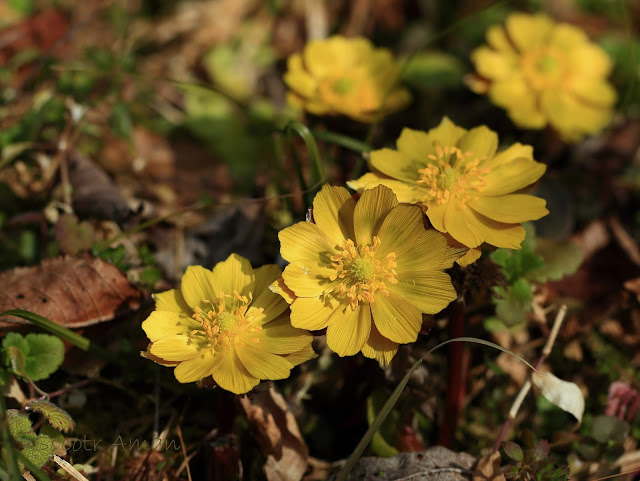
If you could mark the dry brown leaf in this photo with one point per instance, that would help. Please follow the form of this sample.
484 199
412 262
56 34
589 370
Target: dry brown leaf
278 434
488 469
593 238
71 291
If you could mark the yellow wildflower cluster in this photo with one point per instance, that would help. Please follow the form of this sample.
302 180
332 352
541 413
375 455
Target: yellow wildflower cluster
543 72
345 76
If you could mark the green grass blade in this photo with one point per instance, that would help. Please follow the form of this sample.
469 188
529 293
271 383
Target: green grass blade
395 395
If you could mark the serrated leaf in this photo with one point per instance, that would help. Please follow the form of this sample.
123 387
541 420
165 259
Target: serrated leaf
514 451
560 259
564 394
45 357
20 427
541 451
56 436
517 264
40 451
609 428
57 417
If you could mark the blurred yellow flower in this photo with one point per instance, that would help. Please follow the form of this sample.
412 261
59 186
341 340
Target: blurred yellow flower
227 324
466 189
366 271
345 76
543 72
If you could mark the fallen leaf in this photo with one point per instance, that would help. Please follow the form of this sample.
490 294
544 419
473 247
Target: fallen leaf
278 434
94 194
488 468
71 291
564 394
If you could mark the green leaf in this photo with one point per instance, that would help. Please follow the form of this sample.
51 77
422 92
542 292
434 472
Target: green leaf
513 303
20 427
517 264
4 377
56 416
40 451
429 70
17 340
379 443
560 259
609 428
514 451
46 355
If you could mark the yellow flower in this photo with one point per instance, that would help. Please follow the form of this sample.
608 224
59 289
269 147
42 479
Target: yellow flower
227 324
465 187
345 76
543 72
366 271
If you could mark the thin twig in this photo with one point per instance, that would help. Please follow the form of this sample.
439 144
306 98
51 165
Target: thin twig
517 403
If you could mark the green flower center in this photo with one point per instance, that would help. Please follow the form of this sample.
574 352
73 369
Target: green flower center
342 86
227 321
452 173
547 64
544 67
363 270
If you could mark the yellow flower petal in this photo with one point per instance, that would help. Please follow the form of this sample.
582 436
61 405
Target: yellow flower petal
232 375
508 155
567 37
571 117
512 176
416 146
491 64
161 324
305 240
234 274
461 223
397 165
424 253
498 234
598 64
497 38
303 355
436 213
272 303
175 348
379 347
510 209
308 279
349 330
370 211
319 57
428 291
470 257
333 212
481 141
197 368
596 92
280 337
401 231
173 301
396 318
528 31
262 364
298 79
280 288
197 285
404 192
312 313
446 133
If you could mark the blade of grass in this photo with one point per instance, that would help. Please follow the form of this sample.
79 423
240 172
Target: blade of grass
342 140
395 395
62 332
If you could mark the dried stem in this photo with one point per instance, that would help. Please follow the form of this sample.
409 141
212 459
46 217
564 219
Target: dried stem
515 407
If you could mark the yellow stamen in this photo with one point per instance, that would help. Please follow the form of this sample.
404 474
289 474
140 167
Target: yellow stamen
361 273
452 174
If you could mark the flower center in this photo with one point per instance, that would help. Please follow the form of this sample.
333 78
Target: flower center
544 67
452 174
361 273
224 320
342 86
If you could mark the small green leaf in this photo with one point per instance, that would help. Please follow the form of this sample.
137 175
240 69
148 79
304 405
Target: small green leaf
46 355
20 427
17 340
609 428
433 70
514 451
56 416
40 451
541 451
514 302
560 259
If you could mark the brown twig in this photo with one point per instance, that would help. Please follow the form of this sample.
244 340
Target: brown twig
515 407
